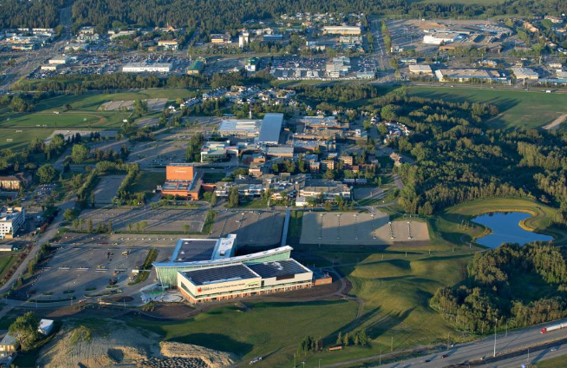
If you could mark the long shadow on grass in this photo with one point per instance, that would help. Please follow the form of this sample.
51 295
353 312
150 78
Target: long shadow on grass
217 342
332 338
386 323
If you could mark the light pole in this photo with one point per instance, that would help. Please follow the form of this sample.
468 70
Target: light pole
495 336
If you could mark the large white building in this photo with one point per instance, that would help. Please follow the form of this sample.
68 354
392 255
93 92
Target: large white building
342 30
525 73
11 220
144 67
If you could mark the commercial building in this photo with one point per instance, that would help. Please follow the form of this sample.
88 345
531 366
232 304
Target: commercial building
10 183
247 128
50 67
168 44
420 69
342 30
220 38
207 270
11 220
8 345
525 73
59 60
271 128
144 67
181 181
329 190
465 75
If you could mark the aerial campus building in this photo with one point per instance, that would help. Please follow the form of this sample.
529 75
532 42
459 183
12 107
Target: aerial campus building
207 270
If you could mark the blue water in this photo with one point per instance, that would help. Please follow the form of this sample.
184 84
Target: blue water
505 228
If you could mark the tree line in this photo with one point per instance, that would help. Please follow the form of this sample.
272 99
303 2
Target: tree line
497 290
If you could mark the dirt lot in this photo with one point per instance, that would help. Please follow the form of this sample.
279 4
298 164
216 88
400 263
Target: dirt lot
106 189
148 219
253 227
359 229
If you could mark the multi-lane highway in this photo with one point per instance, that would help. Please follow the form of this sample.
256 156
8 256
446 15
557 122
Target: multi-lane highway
481 352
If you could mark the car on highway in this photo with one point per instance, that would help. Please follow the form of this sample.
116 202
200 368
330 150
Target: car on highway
444 356
255 360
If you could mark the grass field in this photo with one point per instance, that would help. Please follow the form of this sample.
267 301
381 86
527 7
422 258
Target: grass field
558 362
5 262
147 181
272 330
517 108
17 129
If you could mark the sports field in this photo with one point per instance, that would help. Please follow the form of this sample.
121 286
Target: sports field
18 129
528 109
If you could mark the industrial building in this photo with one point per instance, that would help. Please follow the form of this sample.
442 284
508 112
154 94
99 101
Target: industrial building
181 181
168 44
207 270
59 60
144 67
342 30
525 73
11 220
271 128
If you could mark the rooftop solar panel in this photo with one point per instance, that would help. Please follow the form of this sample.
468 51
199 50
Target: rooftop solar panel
219 274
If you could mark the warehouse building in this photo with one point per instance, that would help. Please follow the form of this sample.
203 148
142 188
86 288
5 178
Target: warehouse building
342 30
11 220
439 38
144 67
466 75
271 128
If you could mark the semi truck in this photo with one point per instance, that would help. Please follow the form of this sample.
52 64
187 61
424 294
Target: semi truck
553 327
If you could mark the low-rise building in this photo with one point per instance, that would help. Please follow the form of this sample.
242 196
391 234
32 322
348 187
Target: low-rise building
219 38
439 38
168 44
328 189
10 183
466 75
8 345
525 73
247 128
11 221
420 69
147 67
46 326
342 30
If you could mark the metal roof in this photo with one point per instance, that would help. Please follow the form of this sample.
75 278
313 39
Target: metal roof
271 128
194 250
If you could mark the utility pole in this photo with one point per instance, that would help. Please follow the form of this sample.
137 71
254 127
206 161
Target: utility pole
495 336
380 355
392 343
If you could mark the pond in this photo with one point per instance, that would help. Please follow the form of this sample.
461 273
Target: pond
505 228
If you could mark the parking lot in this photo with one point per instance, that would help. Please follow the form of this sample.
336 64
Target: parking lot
253 227
146 219
164 150
359 229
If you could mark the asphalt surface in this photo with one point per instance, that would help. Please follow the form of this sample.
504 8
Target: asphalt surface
528 360
472 353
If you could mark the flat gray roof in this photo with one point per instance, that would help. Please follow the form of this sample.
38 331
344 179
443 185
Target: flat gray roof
219 274
194 250
271 128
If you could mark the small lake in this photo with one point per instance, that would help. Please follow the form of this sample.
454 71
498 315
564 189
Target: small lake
505 228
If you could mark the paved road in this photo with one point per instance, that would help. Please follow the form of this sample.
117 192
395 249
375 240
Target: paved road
520 339
378 43
533 358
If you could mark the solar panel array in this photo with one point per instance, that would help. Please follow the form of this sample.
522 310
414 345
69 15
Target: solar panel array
219 274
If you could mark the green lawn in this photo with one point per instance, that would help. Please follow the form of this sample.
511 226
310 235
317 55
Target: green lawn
272 330
147 181
517 108
18 129
557 362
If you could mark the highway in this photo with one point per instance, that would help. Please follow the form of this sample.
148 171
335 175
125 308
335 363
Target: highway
471 354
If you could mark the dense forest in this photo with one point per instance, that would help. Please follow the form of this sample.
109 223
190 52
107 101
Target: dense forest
32 13
509 286
219 15
458 157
